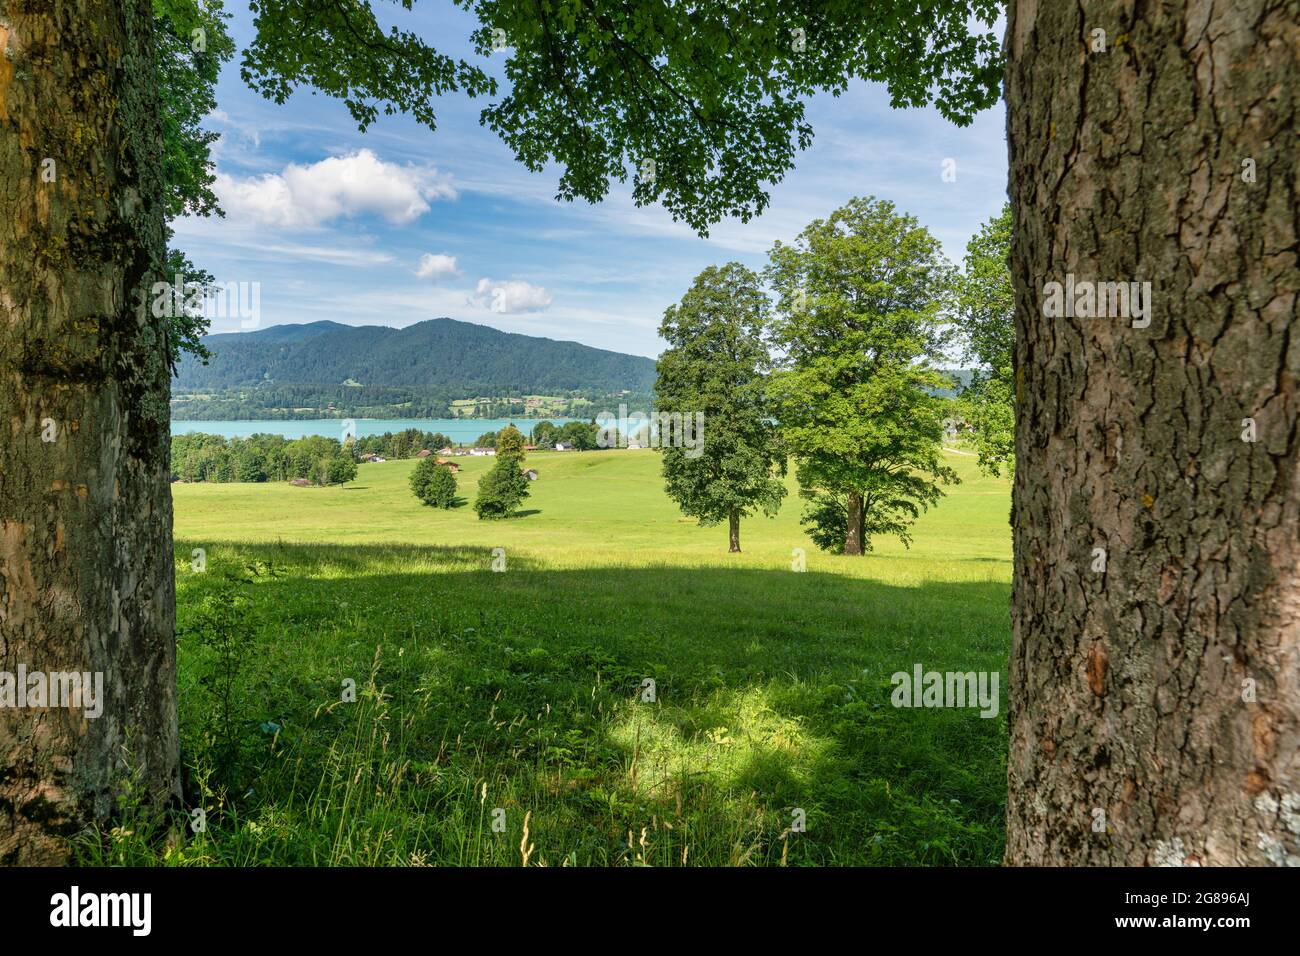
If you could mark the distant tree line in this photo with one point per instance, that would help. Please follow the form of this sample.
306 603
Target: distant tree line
581 435
276 402
257 458
404 444
325 461
547 434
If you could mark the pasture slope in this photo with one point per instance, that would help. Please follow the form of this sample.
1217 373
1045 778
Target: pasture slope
489 702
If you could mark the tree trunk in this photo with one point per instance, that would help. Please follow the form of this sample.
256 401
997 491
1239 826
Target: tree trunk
734 521
86 579
1154 709
853 534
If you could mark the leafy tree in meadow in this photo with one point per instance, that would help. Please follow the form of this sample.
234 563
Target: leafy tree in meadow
986 307
501 490
715 364
338 469
486 440
861 296
433 484
510 443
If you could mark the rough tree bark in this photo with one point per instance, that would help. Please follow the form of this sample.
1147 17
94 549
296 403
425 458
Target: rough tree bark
1155 712
85 508
853 531
733 521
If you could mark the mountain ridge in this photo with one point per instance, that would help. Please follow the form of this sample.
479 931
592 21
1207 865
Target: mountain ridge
441 353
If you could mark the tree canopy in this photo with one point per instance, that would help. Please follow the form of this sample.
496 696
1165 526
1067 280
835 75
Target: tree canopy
702 106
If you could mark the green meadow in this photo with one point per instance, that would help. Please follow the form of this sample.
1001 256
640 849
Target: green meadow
503 717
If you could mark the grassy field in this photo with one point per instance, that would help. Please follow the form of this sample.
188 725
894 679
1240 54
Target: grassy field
515 698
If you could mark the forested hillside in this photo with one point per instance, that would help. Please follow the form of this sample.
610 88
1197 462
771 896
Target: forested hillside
441 354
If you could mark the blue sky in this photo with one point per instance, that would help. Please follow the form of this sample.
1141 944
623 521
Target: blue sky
398 224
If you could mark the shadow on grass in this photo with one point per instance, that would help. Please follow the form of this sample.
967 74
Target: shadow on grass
768 706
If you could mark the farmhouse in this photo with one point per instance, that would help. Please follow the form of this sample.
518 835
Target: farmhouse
423 453
453 465
480 452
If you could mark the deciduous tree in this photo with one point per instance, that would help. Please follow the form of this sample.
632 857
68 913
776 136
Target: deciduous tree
433 484
861 296
501 490
714 366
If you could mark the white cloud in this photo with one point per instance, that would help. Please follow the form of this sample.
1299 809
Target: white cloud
347 185
435 267
509 297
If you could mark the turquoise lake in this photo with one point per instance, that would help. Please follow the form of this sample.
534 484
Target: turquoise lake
460 430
